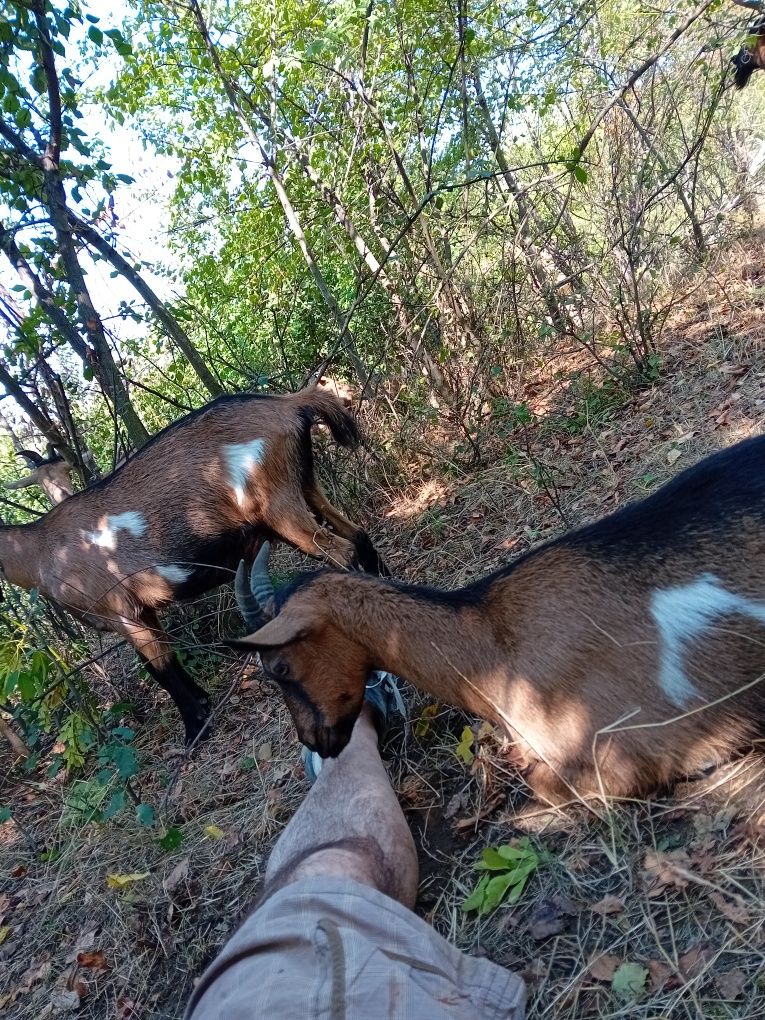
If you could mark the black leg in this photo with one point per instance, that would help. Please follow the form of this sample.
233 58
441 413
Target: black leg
368 557
191 700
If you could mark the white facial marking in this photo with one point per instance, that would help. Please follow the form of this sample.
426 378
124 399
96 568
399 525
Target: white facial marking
682 615
173 573
241 459
106 535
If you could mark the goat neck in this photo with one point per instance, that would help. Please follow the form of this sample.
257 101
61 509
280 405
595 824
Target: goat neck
438 640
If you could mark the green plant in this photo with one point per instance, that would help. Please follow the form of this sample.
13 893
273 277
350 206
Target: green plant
508 869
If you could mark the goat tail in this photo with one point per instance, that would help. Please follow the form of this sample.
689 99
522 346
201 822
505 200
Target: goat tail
321 405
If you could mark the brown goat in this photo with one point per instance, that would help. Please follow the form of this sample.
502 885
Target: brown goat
52 474
618 657
174 520
751 57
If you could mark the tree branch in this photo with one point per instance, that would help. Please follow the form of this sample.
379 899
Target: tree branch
53 149
637 74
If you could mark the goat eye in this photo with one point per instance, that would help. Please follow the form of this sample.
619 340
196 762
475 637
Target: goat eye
281 670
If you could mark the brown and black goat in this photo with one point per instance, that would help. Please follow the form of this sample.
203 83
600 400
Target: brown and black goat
751 57
173 521
619 657
51 473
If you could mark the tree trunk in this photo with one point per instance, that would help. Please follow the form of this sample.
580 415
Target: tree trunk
290 213
101 360
99 355
42 422
179 337
556 311
60 320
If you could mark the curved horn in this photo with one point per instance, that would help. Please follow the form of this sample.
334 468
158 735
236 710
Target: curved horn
260 582
248 605
32 458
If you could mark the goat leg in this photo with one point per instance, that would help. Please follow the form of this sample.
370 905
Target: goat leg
366 556
191 700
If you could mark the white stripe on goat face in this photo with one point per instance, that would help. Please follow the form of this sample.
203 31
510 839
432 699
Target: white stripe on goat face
682 615
106 534
173 573
242 458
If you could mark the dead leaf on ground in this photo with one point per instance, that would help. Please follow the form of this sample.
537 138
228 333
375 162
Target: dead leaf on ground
695 961
736 910
64 1000
602 966
674 455
491 805
125 1008
31 976
535 971
68 992
730 984
179 873
546 920
120 881
608 905
661 976
93 961
457 802
664 869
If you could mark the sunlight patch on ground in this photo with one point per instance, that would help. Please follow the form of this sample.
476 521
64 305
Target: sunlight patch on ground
411 504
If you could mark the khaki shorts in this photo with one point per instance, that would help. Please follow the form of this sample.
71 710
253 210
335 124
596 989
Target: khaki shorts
336 949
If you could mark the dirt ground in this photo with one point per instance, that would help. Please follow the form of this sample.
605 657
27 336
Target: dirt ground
673 888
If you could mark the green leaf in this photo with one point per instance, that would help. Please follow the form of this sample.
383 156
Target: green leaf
171 840
493 860
580 173
145 815
463 749
511 867
95 35
5 814
475 899
629 981
496 890
115 804
123 732
125 760
522 851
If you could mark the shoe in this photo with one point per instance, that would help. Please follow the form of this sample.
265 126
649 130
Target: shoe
383 694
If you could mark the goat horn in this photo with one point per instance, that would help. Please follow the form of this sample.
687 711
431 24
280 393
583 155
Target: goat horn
248 605
34 459
260 582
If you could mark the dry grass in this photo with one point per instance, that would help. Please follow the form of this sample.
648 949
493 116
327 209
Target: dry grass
685 873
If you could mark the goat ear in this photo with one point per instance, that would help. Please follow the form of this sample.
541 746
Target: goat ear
282 630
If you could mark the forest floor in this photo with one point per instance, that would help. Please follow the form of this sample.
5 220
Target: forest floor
648 909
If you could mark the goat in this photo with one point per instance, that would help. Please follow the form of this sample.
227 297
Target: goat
751 56
617 657
52 473
175 518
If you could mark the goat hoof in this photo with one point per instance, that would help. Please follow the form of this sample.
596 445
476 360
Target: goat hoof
201 731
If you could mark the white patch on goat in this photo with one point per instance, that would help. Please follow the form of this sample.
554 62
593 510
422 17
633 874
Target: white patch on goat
173 573
682 615
106 535
241 459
